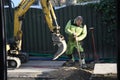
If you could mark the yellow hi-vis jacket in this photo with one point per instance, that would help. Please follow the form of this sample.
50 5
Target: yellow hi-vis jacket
81 33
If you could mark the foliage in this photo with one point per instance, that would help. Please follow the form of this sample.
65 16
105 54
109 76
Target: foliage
108 10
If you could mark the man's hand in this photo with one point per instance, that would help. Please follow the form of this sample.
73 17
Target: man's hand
74 36
77 39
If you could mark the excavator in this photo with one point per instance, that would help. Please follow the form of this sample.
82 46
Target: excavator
14 55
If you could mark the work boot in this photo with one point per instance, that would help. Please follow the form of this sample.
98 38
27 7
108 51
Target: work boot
84 66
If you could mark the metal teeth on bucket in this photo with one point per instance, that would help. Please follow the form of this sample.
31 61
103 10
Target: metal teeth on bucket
61 43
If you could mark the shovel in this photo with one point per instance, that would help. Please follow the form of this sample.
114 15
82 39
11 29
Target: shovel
79 55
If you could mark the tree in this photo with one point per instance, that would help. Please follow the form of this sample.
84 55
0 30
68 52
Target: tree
71 2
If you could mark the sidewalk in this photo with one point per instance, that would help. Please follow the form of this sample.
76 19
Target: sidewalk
34 69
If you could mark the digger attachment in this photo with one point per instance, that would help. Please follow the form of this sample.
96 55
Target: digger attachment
51 20
61 43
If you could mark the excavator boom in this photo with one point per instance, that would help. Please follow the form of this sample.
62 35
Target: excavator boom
50 17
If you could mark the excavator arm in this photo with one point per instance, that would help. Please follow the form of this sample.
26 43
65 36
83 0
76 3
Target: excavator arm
50 17
15 56
18 17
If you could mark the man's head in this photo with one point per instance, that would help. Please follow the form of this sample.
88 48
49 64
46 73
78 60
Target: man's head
78 20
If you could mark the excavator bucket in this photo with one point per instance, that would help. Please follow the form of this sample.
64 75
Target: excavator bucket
61 43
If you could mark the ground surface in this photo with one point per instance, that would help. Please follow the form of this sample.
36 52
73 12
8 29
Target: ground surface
53 70
75 73
70 73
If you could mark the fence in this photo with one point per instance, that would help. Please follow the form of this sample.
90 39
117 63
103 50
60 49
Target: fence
37 37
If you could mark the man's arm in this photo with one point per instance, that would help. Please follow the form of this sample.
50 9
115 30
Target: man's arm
67 28
83 35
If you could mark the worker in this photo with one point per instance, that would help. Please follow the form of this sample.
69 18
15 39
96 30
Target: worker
76 32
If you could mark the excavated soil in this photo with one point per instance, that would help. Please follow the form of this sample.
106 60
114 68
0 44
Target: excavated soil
76 73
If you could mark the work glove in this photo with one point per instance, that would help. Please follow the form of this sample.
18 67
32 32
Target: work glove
75 37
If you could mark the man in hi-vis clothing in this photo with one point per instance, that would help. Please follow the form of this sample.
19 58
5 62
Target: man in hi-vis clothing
76 33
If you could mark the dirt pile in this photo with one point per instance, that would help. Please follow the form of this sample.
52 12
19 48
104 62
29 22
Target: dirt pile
76 73
70 73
